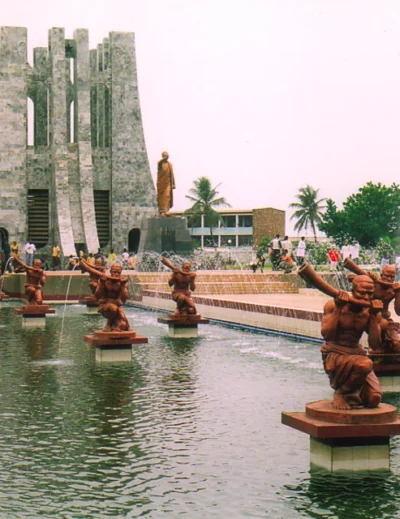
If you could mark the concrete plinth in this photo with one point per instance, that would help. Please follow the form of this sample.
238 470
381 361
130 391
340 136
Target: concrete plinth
106 354
358 439
183 327
34 316
342 454
114 346
169 234
34 321
387 369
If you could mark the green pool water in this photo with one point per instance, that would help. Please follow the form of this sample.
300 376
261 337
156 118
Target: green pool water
190 428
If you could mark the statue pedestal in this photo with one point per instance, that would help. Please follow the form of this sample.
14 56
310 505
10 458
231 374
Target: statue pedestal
183 326
114 346
34 316
353 440
4 297
387 369
91 303
168 234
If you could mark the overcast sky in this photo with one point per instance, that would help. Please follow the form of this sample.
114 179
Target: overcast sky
262 96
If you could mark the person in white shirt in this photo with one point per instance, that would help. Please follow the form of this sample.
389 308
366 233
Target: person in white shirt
287 245
345 250
125 258
275 246
355 251
30 250
301 251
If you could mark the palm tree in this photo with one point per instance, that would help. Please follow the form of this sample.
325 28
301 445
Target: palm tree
308 209
205 201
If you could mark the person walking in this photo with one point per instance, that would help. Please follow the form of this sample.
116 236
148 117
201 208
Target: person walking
55 256
275 246
30 250
345 251
301 251
333 257
287 245
355 251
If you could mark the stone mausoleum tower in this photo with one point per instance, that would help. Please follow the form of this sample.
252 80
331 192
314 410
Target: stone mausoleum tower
84 180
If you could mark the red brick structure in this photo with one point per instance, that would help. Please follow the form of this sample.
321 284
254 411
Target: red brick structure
268 222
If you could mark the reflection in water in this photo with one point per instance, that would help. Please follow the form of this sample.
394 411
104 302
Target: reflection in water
189 428
345 495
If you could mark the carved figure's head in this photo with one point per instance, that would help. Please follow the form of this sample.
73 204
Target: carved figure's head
186 266
116 270
388 273
37 263
363 288
165 155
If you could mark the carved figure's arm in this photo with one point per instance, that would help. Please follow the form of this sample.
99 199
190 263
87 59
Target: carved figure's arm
192 284
374 326
331 316
23 265
86 267
171 281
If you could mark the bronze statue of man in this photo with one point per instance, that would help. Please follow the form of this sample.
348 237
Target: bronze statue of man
34 282
111 293
345 361
182 281
165 185
387 290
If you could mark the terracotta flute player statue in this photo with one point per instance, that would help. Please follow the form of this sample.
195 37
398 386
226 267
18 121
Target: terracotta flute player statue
36 279
111 293
386 290
344 320
182 281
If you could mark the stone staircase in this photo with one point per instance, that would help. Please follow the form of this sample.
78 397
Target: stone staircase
218 282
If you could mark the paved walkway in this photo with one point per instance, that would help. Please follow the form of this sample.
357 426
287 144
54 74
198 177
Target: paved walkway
301 301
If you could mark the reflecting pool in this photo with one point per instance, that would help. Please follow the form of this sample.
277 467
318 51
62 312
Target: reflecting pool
189 428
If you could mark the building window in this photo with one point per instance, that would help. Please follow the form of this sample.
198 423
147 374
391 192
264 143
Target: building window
229 221
245 220
38 216
194 221
245 241
228 241
102 211
210 241
196 242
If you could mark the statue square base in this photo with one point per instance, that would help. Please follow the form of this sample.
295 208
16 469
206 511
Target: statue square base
183 327
354 440
104 354
34 316
4 297
387 369
114 346
92 305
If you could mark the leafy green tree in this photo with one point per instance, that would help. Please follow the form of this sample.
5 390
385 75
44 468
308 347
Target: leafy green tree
308 210
368 215
205 201
334 223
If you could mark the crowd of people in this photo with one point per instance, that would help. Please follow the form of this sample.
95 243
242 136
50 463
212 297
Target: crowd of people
125 259
284 256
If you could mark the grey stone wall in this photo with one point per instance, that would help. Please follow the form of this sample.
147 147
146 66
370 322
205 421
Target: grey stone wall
108 151
13 130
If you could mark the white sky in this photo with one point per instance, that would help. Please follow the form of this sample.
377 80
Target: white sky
264 96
